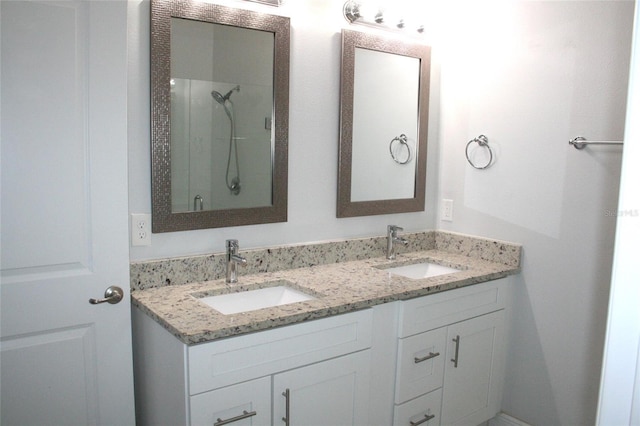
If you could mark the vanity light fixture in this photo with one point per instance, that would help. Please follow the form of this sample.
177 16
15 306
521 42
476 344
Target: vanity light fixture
269 2
358 13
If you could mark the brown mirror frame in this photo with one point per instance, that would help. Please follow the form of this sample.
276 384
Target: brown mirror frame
350 41
163 219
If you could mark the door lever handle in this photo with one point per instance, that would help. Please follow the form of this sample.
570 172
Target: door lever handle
113 295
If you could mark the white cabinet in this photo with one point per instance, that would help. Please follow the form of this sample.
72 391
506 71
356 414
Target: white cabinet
450 367
433 360
323 364
243 404
424 410
421 360
332 392
473 373
328 393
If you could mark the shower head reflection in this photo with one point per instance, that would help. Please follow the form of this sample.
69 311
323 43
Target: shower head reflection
222 99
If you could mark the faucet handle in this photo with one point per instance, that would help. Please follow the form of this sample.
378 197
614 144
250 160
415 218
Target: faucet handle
232 244
394 228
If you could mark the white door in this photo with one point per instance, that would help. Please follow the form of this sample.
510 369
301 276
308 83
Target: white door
64 224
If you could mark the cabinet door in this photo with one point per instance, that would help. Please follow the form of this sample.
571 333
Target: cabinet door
474 370
333 392
244 404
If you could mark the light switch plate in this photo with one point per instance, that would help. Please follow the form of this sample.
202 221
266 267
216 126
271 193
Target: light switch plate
447 210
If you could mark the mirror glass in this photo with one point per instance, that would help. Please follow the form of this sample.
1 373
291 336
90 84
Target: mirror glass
219 116
383 129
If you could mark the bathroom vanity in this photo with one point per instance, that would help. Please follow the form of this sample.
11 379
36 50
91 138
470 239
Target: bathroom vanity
450 362
371 347
318 370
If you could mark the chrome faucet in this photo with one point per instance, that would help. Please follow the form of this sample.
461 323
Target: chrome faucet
392 237
233 259
198 200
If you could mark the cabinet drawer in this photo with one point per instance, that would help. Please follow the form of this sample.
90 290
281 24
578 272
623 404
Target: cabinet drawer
440 309
244 404
421 360
423 411
237 359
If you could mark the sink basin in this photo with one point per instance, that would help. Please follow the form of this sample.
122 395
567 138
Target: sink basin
421 270
245 301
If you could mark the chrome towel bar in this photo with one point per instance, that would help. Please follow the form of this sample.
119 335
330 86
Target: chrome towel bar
580 143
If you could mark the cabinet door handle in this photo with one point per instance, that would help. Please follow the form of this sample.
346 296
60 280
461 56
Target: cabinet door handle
245 414
424 358
455 357
426 418
287 400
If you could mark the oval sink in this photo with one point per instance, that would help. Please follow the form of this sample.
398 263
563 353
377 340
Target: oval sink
245 301
421 270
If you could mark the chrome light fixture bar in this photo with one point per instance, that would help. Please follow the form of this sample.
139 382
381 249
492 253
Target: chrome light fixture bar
269 2
353 12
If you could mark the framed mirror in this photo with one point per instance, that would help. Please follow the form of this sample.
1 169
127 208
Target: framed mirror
384 112
219 116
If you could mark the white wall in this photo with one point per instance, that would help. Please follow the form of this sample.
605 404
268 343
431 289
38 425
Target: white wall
530 76
541 74
313 141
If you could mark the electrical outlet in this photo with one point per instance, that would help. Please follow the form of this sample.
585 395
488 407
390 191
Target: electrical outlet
447 210
140 229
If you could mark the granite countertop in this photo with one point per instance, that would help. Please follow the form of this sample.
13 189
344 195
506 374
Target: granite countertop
339 288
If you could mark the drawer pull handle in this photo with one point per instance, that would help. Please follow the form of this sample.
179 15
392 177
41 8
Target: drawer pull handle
287 395
245 414
455 357
425 419
424 358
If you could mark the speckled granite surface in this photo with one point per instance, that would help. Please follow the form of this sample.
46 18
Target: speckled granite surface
344 276
184 270
479 248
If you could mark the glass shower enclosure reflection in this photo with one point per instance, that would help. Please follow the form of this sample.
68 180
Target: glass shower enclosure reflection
220 153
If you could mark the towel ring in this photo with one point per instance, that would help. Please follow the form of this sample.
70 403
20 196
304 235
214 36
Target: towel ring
482 141
402 140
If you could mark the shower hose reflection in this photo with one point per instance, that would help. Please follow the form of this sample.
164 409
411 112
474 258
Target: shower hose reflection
233 184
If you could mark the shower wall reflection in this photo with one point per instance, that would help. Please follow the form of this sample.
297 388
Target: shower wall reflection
221 115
